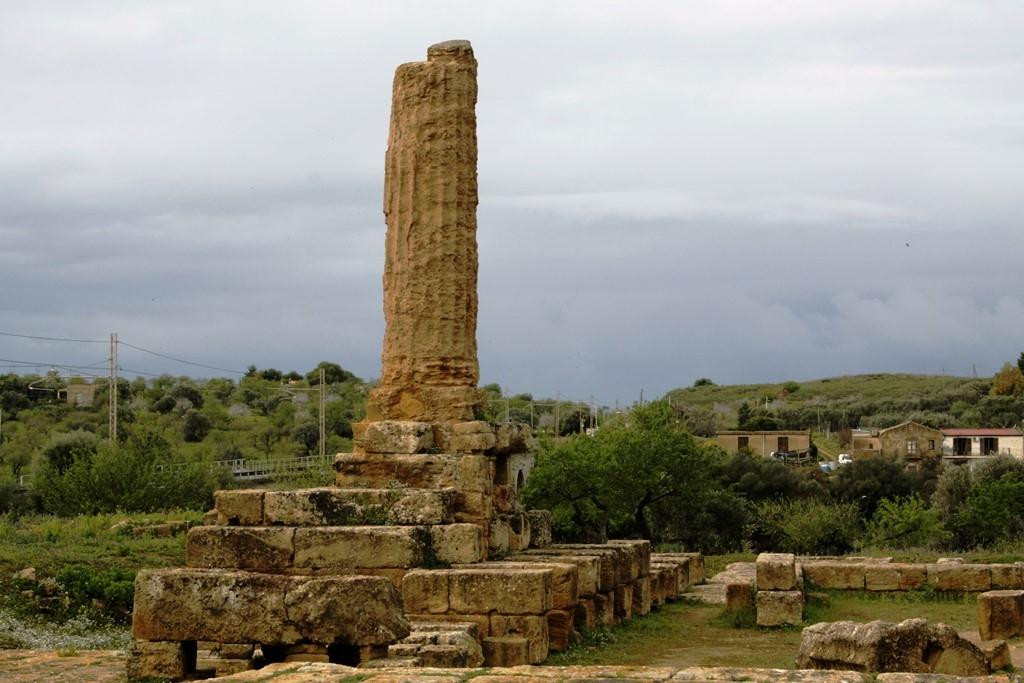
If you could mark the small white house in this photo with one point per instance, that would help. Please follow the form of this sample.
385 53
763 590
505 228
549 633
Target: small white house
972 445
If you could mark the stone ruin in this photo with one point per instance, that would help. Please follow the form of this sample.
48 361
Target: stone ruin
421 554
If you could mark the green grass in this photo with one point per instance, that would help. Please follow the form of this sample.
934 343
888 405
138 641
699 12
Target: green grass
691 634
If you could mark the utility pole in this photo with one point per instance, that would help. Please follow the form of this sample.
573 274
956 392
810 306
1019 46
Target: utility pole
558 424
531 415
323 418
112 390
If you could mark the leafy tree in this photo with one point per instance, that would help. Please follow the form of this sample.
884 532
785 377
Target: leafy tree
63 450
307 434
272 375
703 382
195 426
640 474
758 479
906 523
1009 381
868 481
333 374
188 393
743 416
164 404
1020 362
806 526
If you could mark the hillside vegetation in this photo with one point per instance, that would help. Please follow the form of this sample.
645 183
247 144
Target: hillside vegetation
838 403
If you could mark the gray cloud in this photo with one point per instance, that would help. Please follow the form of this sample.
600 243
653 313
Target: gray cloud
668 191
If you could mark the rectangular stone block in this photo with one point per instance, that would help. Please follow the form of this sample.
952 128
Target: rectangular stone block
457 543
1007 576
564 582
425 591
949 576
641 596
397 436
641 549
585 614
776 608
881 577
776 572
465 473
835 574
1001 614
239 507
738 596
481 622
540 528
604 609
589 566
513 591
341 548
912 576
695 565
160 659
614 564
332 506
253 548
216 666
560 630
506 651
245 607
532 627
680 570
623 602
658 591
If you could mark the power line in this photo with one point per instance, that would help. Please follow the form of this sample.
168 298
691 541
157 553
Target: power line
29 364
180 360
56 339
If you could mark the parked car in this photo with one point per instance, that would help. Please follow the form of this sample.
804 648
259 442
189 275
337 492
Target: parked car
844 459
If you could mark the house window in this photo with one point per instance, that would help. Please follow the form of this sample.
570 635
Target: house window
989 445
961 446
743 443
931 444
911 447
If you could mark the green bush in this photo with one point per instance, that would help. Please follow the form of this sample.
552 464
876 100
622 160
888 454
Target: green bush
906 523
102 592
805 526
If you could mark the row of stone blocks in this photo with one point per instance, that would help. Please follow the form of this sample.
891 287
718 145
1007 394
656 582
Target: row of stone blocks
898 576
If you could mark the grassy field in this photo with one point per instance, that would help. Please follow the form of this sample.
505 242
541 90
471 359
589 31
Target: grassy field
691 634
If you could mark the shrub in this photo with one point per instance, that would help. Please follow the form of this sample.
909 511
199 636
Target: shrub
906 523
805 526
106 592
195 426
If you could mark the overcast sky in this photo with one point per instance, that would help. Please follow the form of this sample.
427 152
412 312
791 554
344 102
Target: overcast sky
746 191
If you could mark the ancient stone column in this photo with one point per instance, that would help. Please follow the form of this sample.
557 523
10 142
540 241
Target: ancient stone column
429 363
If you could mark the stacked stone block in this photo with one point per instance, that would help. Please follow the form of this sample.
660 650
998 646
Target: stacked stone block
885 575
1001 614
780 597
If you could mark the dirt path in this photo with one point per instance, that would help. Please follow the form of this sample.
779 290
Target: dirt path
86 666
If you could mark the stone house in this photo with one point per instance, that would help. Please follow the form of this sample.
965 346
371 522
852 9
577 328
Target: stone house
764 443
910 441
78 393
864 443
972 445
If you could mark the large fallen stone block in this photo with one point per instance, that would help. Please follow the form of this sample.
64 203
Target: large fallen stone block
332 506
262 549
836 574
776 572
738 596
532 627
244 607
950 576
1001 614
778 608
912 646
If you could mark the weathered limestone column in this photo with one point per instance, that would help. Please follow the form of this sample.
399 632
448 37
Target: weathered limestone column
429 362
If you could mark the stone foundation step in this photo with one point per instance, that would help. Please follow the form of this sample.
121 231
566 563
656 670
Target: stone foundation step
331 506
332 549
435 644
479 591
564 578
695 564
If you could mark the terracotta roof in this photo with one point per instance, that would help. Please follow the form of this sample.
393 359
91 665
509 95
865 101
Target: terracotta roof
1010 431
